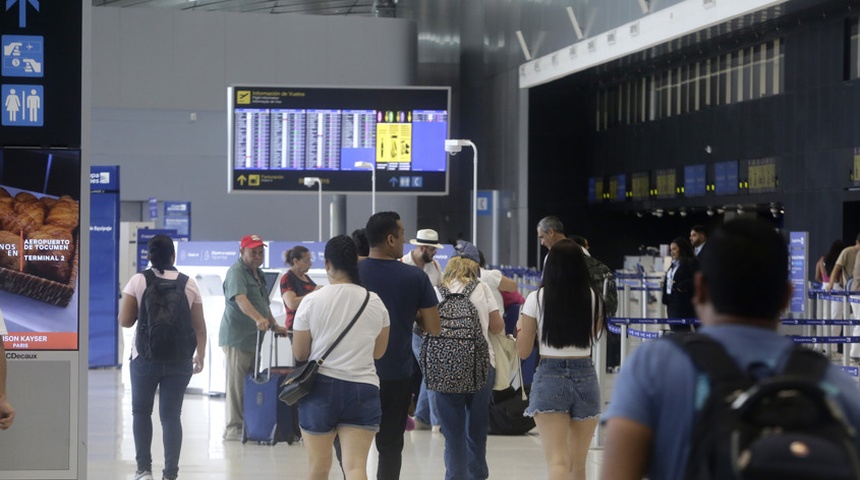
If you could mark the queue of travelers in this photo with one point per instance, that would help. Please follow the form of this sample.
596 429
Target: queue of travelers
402 311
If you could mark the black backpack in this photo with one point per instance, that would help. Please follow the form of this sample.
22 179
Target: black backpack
780 427
599 273
458 359
164 331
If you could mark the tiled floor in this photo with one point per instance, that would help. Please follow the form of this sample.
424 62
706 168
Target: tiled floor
206 456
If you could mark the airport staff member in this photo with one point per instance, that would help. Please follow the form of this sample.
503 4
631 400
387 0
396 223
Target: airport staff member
7 413
246 310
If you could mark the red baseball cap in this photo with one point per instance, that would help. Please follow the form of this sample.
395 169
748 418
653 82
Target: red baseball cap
251 241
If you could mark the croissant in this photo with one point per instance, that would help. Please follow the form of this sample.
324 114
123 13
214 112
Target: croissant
10 251
4 193
25 197
48 256
27 220
20 206
48 201
56 232
63 216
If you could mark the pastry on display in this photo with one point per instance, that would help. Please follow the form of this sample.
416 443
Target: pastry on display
38 246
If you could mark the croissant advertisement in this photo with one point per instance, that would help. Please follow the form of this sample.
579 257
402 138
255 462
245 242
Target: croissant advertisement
39 239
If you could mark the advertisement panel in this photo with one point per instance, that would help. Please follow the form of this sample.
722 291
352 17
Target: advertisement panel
104 266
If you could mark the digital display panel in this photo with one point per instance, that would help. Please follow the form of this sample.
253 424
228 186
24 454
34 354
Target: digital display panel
855 171
639 188
761 175
592 190
726 178
280 135
621 188
40 195
694 180
667 182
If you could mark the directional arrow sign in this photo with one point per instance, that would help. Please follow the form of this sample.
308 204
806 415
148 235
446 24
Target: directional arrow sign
241 180
394 182
22 9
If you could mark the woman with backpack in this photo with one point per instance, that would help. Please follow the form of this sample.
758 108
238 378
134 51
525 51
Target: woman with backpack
163 351
565 316
464 416
344 401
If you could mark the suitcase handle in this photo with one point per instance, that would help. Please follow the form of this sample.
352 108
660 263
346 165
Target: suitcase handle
273 348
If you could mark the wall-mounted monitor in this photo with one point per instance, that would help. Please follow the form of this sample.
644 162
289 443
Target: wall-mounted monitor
726 178
639 186
694 180
667 183
761 174
279 135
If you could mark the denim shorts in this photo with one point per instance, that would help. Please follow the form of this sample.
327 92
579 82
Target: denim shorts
565 385
337 403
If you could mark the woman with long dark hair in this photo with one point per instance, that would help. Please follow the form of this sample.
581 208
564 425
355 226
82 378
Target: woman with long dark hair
149 372
565 315
344 401
822 274
678 285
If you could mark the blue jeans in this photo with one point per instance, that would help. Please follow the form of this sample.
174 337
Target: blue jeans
170 378
425 406
465 420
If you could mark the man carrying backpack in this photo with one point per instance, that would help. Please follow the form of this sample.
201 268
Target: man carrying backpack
663 422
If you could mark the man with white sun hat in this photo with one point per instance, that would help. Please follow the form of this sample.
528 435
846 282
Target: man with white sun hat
426 243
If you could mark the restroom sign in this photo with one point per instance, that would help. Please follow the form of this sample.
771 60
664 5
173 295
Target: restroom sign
22 105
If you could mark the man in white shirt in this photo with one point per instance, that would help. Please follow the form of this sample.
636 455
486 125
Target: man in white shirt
426 244
7 413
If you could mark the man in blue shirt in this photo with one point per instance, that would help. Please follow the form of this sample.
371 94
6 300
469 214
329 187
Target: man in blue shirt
405 291
740 291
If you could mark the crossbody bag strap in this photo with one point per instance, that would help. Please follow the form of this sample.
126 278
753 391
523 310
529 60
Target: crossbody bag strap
346 330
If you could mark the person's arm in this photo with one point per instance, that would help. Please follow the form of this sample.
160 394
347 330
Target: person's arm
497 323
835 276
198 323
248 309
429 321
628 446
301 344
127 310
819 270
526 332
7 413
381 343
507 285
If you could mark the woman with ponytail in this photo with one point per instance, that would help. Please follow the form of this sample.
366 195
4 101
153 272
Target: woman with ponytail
344 401
149 371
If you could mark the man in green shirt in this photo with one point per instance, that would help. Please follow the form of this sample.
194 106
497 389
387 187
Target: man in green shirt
246 310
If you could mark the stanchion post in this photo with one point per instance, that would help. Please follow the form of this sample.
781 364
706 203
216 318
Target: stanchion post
624 344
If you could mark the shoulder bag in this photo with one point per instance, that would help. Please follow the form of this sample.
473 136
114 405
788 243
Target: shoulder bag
301 381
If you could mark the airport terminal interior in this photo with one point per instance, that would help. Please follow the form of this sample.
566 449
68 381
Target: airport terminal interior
630 120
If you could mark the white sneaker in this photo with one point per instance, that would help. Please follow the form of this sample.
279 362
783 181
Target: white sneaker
144 475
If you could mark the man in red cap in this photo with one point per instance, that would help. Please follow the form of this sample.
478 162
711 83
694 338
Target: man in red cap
246 310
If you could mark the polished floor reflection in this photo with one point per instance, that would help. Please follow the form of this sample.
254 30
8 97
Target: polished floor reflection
206 456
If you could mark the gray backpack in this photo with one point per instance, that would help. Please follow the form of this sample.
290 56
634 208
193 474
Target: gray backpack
458 359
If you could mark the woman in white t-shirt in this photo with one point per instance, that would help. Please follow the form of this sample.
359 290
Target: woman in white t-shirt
344 401
150 372
464 417
564 315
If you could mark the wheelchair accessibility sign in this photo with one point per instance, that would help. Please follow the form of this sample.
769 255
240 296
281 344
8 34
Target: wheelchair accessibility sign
23 55
22 105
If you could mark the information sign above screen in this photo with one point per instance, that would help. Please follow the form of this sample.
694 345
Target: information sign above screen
280 135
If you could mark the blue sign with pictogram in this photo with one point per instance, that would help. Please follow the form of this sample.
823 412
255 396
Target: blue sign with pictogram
23 55
22 9
22 105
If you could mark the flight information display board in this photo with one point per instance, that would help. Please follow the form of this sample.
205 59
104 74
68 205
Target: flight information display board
620 190
667 183
726 178
761 174
694 180
281 135
639 188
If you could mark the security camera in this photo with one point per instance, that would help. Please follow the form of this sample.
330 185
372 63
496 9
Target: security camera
454 146
310 181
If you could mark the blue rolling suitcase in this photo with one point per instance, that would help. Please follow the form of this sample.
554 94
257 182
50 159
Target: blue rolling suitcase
267 420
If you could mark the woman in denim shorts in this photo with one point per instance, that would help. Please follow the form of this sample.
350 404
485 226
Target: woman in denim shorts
564 314
344 401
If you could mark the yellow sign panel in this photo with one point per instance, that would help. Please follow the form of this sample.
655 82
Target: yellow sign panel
393 143
855 176
243 97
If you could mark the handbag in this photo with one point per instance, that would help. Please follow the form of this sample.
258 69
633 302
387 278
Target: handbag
301 381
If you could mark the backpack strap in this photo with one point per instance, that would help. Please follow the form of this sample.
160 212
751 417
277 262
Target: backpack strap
470 287
181 281
150 277
710 357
